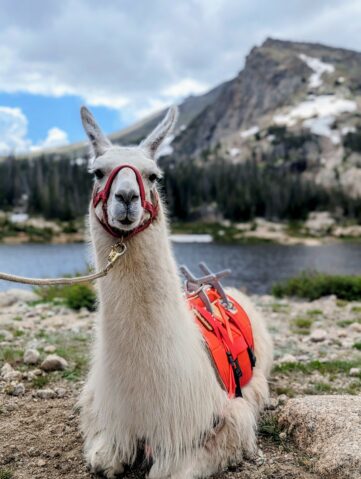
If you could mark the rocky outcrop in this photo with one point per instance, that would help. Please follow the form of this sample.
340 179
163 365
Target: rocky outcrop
328 428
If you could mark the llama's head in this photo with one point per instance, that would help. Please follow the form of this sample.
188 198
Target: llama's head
124 209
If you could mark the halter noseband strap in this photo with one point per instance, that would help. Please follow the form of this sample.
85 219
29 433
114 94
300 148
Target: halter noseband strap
103 196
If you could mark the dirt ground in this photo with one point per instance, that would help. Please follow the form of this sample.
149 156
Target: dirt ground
40 439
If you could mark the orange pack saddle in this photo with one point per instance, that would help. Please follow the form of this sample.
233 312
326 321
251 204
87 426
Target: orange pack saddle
226 329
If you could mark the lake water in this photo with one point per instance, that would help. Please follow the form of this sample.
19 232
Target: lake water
254 267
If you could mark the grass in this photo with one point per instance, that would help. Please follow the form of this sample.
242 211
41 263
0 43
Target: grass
40 381
269 428
322 388
11 355
357 346
324 367
314 312
288 390
315 285
5 474
344 323
301 325
280 308
75 296
74 348
356 309
18 333
17 318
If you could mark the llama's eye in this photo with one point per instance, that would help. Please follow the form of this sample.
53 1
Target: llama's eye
99 174
153 177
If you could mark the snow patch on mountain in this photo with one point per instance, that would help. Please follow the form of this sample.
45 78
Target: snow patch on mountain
250 132
316 106
318 67
322 126
234 152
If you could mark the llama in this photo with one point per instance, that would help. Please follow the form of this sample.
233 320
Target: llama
151 380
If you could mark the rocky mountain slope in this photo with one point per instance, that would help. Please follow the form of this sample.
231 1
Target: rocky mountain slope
293 103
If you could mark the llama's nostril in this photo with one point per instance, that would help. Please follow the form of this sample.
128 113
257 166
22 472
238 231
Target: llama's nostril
127 197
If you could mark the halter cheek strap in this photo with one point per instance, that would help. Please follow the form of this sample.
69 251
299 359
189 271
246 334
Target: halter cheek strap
103 196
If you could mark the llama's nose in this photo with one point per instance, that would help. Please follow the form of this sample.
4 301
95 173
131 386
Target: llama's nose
126 196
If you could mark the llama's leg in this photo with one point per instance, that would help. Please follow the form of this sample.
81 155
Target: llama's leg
102 458
182 473
99 451
235 440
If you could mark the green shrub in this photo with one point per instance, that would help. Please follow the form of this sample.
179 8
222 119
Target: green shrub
315 285
40 381
5 474
74 296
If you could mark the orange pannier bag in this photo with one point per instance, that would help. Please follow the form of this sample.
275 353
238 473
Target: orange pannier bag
228 336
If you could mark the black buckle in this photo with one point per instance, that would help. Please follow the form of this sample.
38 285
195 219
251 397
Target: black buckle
237 372
252 357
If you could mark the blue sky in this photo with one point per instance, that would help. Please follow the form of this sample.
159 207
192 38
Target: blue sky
126 59
43 112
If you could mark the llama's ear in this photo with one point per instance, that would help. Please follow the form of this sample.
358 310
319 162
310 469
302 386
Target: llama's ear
159 134
98 140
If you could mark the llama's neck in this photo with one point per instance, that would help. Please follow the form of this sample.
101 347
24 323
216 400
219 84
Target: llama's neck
144 282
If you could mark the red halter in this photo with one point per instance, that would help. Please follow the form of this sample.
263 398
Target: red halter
103 196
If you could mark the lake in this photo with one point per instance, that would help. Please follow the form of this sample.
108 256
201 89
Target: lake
254 267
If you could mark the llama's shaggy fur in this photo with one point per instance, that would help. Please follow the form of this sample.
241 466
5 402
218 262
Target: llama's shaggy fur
151 378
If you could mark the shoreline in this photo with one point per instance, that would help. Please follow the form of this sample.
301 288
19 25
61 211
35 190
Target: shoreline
320 229
286 240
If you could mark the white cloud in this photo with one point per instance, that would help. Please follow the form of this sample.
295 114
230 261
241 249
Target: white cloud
130 55
185 87
14 130
55 137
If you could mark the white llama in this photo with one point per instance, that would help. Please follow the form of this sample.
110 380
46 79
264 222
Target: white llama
151 380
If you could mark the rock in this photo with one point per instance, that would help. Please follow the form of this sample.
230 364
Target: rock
31 356
60 392
259 459
8 373
41 463
45 394
7 368
53 362
287 358
328 428
15 389
50 348
7 335
272 403
355 372
282 399
13 296
318 335
319 223
355 327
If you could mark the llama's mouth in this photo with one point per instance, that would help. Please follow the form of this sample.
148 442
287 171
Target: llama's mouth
123 225
126 221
